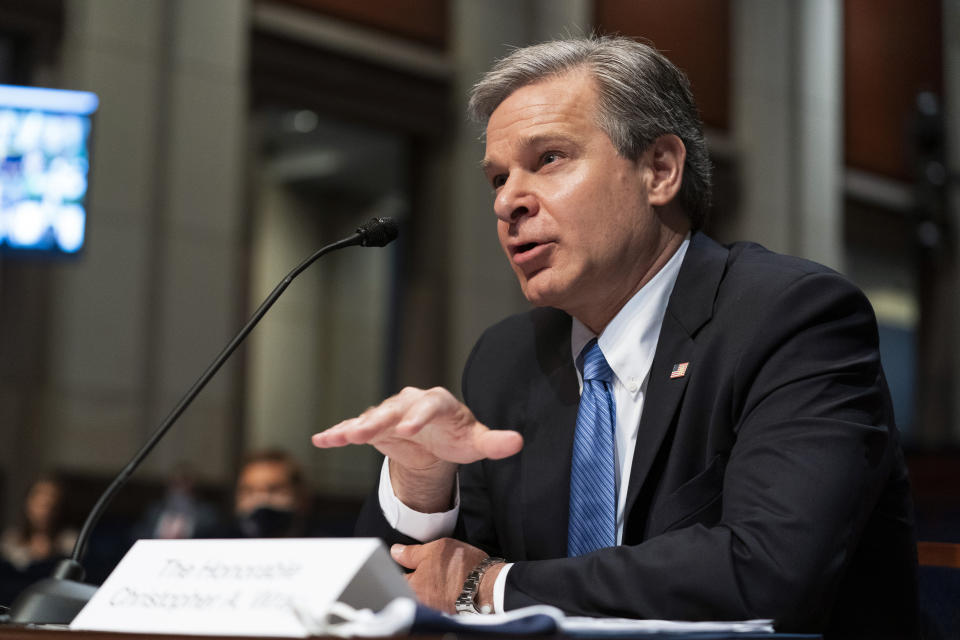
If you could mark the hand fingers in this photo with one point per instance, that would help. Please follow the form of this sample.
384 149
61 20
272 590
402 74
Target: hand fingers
332 437
498 443
406 555
434 404
371 423
458 437
350 431
470 439
476 443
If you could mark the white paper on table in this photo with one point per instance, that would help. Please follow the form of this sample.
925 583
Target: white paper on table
624 626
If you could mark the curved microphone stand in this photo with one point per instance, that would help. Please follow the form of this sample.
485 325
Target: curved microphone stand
58 599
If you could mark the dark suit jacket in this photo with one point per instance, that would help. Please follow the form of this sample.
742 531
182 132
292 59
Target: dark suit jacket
767 482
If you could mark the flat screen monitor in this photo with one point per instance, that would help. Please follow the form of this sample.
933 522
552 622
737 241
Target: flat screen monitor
45 156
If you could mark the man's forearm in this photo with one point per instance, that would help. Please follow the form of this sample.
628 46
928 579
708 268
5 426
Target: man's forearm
427 491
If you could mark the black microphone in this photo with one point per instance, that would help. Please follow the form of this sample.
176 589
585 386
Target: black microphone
58 599
378 232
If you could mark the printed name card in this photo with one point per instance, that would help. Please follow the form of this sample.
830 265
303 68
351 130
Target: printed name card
241 587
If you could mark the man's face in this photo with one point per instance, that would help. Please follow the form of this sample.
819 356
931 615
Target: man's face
265 484
43 500
572 214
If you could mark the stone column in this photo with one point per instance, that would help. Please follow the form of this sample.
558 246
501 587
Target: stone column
787 92
156 295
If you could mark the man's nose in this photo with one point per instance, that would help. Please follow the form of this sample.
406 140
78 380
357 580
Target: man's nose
515 199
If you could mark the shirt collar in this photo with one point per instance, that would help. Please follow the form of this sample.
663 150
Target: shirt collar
629 341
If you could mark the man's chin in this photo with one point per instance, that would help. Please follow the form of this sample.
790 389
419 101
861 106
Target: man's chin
543 287
541 297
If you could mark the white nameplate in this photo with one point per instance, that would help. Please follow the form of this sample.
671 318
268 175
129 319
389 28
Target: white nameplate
240 587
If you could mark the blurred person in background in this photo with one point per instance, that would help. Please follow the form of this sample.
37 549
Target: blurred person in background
30 549
270 500
180 514
42 535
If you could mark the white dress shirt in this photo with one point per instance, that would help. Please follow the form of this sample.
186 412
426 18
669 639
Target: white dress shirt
628 343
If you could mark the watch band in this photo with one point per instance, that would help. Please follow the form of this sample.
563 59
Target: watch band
467 600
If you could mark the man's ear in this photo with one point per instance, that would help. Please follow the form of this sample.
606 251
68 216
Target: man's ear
665 158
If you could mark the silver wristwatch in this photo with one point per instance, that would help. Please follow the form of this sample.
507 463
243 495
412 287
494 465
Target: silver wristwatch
467 601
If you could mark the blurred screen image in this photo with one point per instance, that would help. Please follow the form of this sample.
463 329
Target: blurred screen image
44 168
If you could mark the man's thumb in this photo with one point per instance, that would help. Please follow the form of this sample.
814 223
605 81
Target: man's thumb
496 443
406 555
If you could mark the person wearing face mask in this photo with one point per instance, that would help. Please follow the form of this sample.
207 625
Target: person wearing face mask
270 500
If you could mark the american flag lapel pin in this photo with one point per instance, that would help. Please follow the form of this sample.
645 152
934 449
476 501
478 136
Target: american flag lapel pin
679 370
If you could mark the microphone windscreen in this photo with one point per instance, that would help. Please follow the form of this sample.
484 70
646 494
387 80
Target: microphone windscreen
378 232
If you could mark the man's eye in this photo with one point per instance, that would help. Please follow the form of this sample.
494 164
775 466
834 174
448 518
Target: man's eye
498 181
548 157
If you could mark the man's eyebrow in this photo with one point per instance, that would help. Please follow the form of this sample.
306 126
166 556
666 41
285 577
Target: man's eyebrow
543 139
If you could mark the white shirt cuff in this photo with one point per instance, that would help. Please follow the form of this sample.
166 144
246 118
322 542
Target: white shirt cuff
499 587
419 526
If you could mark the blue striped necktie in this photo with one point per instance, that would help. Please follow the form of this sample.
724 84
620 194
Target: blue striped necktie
593 493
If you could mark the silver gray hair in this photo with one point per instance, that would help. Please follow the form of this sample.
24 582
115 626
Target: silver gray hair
642 96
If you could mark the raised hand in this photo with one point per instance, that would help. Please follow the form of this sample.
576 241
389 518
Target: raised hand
426 434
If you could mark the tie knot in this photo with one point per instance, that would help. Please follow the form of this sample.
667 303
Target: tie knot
595 366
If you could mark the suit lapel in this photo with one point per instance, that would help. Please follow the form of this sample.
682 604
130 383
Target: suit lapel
689 308
548 445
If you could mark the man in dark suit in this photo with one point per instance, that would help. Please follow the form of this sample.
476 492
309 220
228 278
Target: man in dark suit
753 469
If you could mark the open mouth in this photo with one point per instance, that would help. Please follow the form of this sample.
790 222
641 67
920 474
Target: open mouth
523 248
531 254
